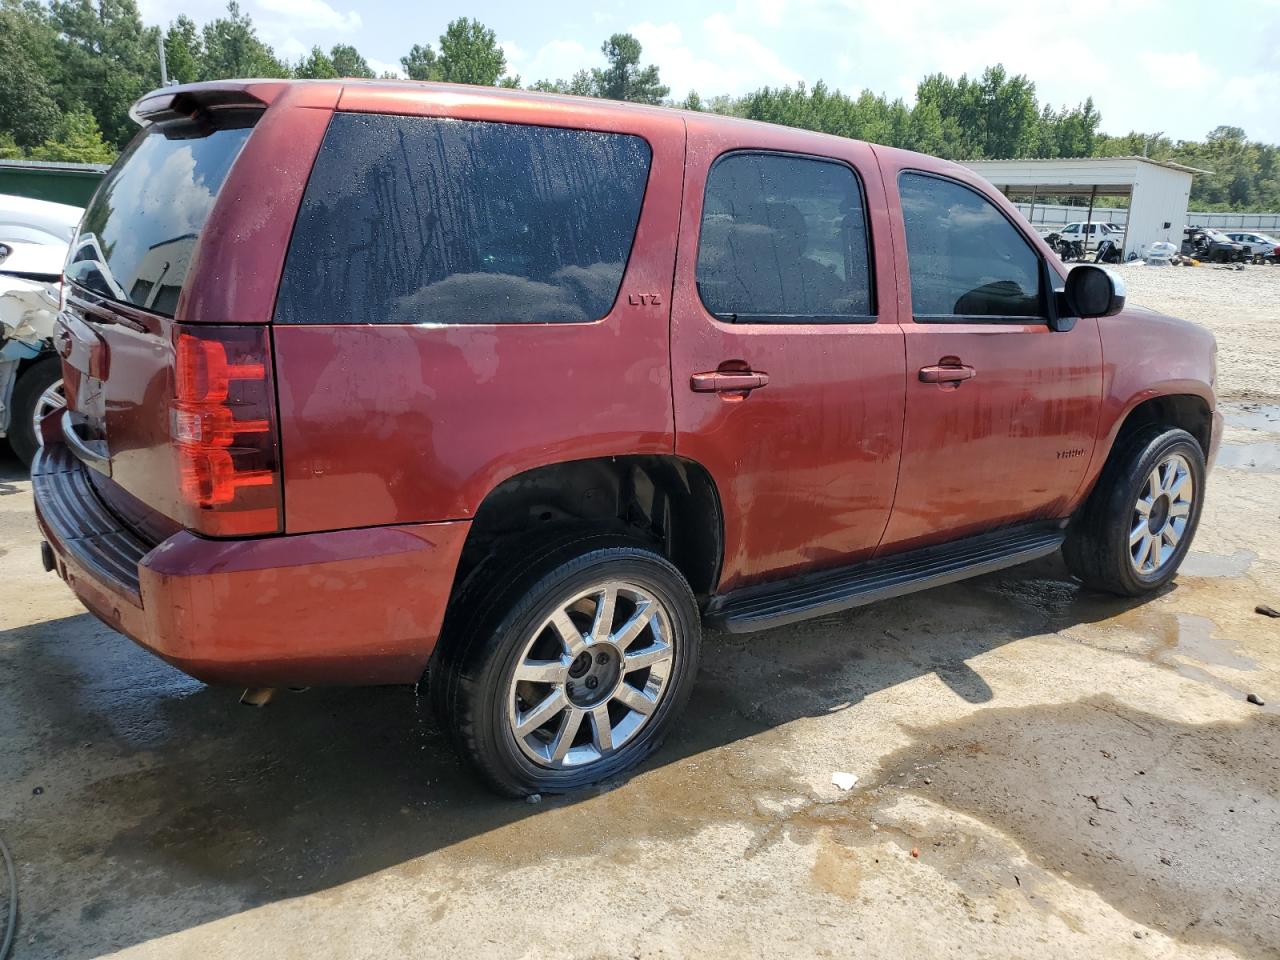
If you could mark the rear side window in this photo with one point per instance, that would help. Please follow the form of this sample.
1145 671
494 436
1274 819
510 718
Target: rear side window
139 231
421 220
966 259
784 239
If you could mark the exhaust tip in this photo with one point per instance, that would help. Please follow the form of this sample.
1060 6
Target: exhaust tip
46 556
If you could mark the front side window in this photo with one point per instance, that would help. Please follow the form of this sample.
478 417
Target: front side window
410 220
966 260
784 239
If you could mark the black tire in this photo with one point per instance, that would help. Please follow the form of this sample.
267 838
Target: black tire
32 382
494 616
1097 547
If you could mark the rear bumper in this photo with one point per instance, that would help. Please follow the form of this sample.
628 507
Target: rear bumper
349 607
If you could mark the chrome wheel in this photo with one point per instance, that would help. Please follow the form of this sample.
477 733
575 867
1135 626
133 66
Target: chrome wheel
51 400
1161 515
591 676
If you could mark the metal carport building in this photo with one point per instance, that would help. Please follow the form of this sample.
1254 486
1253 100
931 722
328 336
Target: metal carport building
1158 190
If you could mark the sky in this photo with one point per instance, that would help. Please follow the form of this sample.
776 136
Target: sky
1171 66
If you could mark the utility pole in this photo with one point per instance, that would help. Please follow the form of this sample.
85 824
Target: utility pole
164 70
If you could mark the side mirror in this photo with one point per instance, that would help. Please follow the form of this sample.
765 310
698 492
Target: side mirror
1093 291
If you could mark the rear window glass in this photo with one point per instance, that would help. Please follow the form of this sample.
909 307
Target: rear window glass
422 220
139 231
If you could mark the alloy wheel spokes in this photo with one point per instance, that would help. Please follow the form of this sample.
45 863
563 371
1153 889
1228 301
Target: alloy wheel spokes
53 398
591 676
1161 514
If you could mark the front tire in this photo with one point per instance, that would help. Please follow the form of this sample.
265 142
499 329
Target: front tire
567 663
1136 527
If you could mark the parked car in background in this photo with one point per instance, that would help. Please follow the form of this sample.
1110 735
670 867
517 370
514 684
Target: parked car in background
517 391
34 235
1091 234
26 220
1258 244
1206 243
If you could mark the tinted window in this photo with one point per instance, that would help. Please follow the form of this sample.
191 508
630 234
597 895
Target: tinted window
137 236
419 220
783 238
966 259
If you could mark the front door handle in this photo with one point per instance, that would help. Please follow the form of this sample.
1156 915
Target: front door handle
728 381
947 372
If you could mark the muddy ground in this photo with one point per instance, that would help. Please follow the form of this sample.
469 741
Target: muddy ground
1043 772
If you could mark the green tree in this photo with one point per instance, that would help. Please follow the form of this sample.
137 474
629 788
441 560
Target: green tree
581 84
316 66
692 101
108 60
183 51
28 60
348 62
469 53
624 78
78 140
421 63
232 49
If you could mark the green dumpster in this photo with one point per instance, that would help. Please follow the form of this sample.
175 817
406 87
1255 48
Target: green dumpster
71 183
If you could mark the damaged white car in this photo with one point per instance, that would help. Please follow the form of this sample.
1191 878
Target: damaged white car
33 247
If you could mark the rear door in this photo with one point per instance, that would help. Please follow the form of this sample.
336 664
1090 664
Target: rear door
1001 410
787 364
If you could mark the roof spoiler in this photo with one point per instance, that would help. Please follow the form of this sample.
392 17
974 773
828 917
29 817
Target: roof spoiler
192 101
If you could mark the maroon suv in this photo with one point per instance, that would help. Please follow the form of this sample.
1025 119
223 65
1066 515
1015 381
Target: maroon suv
371 379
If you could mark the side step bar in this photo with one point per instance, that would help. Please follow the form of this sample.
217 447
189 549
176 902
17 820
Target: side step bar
816 594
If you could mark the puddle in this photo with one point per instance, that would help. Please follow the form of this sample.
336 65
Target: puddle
1192 637
1254 416
1199 564
1263 456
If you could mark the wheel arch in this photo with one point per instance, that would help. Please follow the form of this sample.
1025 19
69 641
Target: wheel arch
668 500
1188 411
1186 408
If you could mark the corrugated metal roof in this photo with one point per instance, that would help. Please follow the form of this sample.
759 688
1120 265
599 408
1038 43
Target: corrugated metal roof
1170 164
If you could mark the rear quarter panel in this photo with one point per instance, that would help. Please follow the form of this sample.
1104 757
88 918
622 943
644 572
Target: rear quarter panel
404 423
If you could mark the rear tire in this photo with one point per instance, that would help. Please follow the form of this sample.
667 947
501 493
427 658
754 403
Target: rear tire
544 683
28 392
1137 525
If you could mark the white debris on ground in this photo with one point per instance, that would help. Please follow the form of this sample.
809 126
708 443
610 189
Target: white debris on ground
845 781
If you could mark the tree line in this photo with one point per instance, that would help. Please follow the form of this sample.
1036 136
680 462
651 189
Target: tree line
72 68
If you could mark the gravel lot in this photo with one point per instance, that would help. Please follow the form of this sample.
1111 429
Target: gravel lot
1042 772
1242 307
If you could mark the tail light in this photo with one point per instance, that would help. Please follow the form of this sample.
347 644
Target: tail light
223 430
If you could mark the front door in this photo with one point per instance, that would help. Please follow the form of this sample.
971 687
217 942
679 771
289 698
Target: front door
1001 410
787 360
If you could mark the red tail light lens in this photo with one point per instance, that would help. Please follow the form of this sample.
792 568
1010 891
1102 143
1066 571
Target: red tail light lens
223 430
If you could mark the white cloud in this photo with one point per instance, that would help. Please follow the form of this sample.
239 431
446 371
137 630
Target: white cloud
316 14
379 67
557 60
730 61
290 48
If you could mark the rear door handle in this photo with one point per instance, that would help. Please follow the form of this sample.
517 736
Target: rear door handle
947 373
721 381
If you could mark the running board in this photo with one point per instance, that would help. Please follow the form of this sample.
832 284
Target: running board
829 591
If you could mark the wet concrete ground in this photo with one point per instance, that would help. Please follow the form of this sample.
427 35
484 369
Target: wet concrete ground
1042 772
